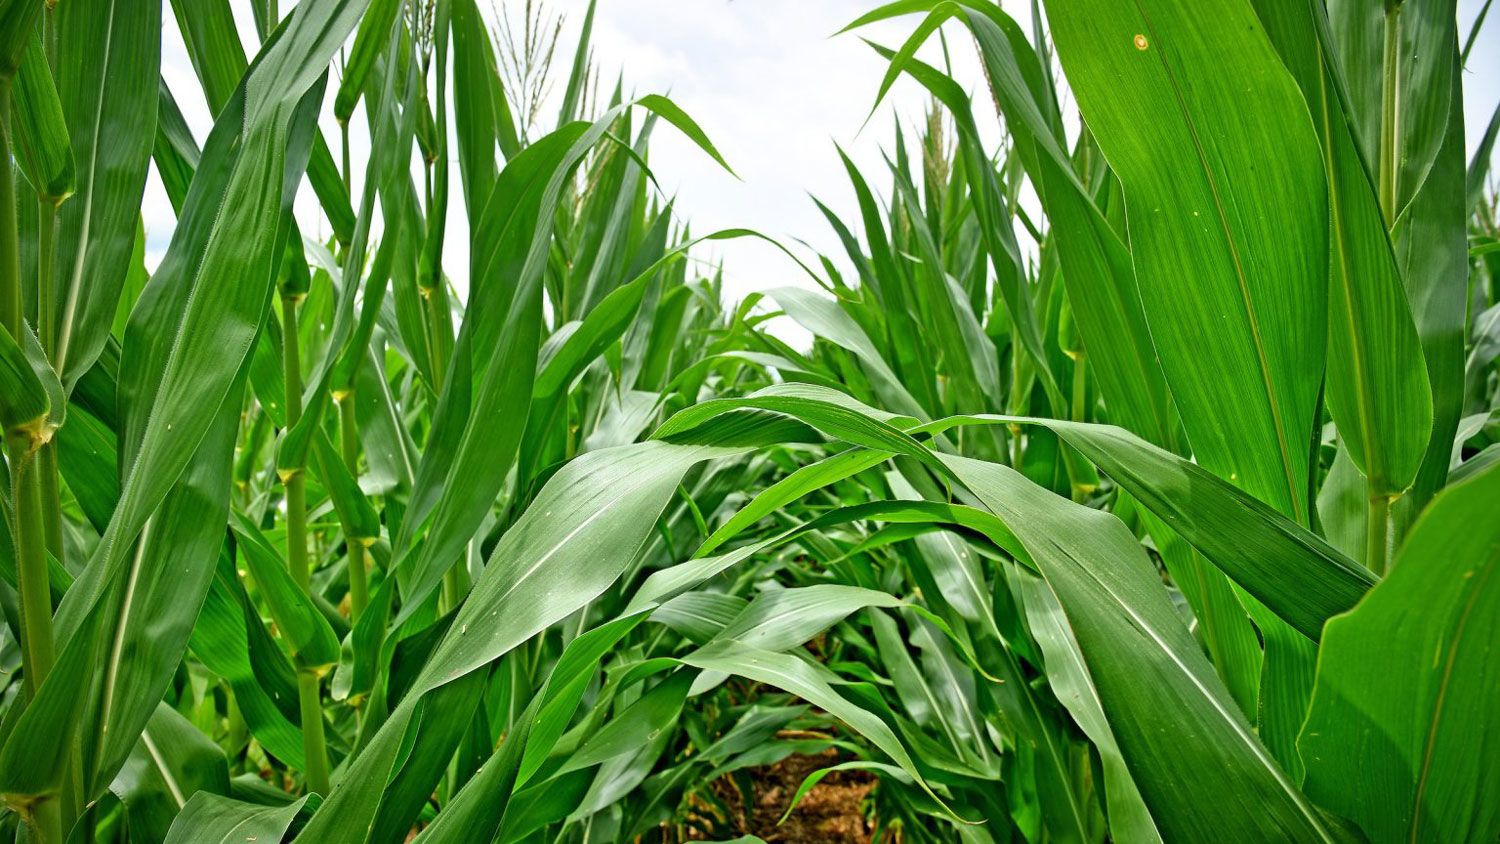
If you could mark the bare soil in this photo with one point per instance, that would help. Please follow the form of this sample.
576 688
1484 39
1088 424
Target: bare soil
833 811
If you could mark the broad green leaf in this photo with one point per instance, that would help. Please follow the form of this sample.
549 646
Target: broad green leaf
505 368
578 76
107 59
784 618
176 157
824 319
152 610
1377 387
1398 736
1292 570
1223 626
213 46
989 202
210 819
212 38
43 149
832 412
17 22
1479 165
1420 37
232 228
232 642
1229 246
648 717
1430 250
795 485
577 516
575 539
1068 675
1197 762
309 639
481 113
173 762
699 616
440 723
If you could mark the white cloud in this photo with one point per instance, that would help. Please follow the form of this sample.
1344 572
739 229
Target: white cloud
775 89
770 84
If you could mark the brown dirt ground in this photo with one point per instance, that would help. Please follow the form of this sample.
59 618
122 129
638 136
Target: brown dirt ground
831 813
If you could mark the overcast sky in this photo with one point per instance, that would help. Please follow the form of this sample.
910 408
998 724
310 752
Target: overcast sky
772 86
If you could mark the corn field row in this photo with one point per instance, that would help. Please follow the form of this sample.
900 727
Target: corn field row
1138 484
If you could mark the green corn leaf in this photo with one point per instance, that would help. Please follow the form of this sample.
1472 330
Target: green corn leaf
1377 389
1294 572
1425 37
309 639
175 153
373 36
1430 250
1129 819
45 153
784 618
108 68
1396 738
231 641
578 75
209 818
1230 248
17 22
26 401
173 762
1214 779
481 113
185 397
599 507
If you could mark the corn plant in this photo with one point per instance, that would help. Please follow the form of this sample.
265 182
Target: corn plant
1164 510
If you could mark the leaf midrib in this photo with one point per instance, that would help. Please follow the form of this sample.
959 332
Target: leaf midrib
1256 749
75 283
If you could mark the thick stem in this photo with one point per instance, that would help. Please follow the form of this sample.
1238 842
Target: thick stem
437 334
1377 533
359 577
37 651
295 481
309 698
47 333
359 584
313 744
43 819
1390 113
455 584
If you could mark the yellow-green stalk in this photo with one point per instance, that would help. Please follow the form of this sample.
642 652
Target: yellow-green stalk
314 745
359 584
